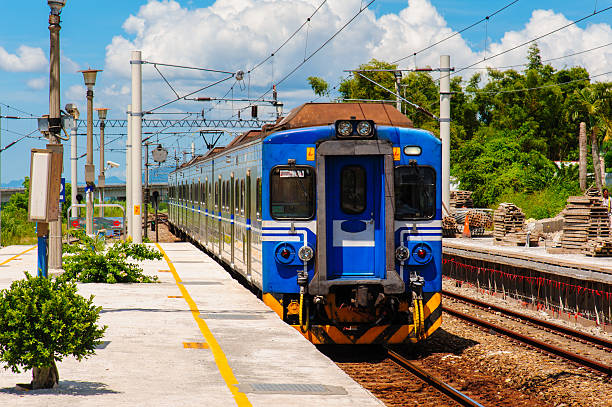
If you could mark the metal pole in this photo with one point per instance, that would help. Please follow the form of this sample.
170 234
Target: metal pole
0 177
102 179
136 63
146 191
398 82
55 227
73 168
445 118
89 167
128 174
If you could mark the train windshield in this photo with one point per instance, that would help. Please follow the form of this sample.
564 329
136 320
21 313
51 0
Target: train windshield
415 192
292 194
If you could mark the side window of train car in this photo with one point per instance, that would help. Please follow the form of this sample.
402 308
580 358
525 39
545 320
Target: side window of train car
236 195
242 197
292 192
217 195
415 192
258 198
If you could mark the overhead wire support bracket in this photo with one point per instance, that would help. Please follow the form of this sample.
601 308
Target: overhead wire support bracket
206 123
422 109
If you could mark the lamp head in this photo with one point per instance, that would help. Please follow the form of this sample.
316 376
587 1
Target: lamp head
56 6
72 110
102 113
89 76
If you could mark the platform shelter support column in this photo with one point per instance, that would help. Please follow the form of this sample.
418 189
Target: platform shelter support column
128 173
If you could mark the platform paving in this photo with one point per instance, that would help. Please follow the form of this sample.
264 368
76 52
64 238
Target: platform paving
196 338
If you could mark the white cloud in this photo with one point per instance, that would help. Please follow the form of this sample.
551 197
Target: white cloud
570 40
38 83
26 59
232 35
75 94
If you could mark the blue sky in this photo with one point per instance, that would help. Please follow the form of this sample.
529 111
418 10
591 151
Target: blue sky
234 35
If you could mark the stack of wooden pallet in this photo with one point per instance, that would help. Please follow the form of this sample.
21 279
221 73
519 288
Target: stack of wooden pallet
449 226
599 224
598 247
509 225
461 199
593 192
577 217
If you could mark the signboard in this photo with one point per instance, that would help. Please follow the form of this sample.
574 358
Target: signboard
112 225
63 191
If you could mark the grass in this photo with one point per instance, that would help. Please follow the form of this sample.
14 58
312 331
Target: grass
546 203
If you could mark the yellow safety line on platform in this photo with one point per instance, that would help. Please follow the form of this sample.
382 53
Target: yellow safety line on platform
220 359
17 255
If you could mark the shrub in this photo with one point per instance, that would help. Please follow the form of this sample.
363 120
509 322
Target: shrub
41 322
89 261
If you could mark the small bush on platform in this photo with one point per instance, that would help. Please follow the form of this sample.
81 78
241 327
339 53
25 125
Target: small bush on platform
41 322
90 261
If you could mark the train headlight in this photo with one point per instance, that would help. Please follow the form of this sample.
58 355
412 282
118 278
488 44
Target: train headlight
305 253
364 129
402 253
345 128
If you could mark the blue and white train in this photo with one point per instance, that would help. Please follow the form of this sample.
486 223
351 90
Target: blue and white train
333 215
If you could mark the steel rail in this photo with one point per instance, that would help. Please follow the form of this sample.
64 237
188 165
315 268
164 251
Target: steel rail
430 379
536 321
552 349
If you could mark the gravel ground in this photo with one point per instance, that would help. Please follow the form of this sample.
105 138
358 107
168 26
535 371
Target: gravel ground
487 367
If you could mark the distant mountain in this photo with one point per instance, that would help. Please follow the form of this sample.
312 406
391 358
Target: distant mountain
16 183
113 180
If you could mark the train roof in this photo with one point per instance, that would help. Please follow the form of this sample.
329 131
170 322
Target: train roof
323 114
317 114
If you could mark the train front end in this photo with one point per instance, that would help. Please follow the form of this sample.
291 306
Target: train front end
352 227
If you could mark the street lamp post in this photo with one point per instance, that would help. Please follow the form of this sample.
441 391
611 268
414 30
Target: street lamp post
102 179
89 76
55 126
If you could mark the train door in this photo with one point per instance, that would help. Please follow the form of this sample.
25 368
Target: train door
356 229
206 200
247 217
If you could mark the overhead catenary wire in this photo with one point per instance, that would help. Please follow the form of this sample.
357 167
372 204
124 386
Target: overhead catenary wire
486 18
540 87
533 39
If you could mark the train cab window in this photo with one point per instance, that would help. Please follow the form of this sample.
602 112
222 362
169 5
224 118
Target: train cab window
415 192
292 192
353 189
258 198
242 197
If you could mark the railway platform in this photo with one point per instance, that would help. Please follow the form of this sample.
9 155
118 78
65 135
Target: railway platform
198 337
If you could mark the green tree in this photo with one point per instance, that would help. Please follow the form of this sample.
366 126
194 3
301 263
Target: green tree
319 86
41 322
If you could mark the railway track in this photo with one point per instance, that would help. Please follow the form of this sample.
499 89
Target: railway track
431 380
552 345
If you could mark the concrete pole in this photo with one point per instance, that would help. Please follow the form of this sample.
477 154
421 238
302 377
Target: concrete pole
89 173
73 168
128 173
146 191
102 178
445 117
136 63
55 227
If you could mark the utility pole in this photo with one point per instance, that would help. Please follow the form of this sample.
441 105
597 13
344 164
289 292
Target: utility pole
445 118
0 176
128 174
74 112
136 63
101 178
55 123
89 76
398 83
146 191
